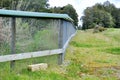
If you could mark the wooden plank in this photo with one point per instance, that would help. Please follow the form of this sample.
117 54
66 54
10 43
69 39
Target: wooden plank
37 67
29 55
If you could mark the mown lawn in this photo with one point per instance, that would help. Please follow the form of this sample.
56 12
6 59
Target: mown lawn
88 57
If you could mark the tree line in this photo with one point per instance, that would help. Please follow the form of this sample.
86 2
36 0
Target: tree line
39 6
105 15
68 9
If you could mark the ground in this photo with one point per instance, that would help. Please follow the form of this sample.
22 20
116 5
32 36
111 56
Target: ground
95 56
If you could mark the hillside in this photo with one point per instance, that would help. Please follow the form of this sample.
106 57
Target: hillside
88 57
95 56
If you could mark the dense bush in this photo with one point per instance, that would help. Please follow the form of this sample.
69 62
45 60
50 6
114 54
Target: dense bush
98 28
106 14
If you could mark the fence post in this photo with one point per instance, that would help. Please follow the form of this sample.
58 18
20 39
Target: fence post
13 36
60 43
0 30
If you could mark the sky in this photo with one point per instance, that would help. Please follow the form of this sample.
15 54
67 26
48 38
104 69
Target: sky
80 5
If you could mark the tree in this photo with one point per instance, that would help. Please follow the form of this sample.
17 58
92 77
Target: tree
68 9
116 15
56 10
98 15
87 18
5 4
25 5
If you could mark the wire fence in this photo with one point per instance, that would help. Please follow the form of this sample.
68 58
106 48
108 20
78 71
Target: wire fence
36 34
5 35
33 35
68 30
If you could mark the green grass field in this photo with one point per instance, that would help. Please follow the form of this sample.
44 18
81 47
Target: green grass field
88 57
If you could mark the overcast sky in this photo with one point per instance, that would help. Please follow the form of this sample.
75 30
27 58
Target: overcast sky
80 5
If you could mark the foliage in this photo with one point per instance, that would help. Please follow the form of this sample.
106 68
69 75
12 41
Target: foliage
39 6
105 14
116 16
25 5
98 28
98 17
68 9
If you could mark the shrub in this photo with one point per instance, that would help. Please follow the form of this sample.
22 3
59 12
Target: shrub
98 28
101 29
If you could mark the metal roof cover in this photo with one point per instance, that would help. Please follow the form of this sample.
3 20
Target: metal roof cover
16 13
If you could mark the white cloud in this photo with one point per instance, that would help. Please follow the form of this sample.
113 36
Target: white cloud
60 2
80 5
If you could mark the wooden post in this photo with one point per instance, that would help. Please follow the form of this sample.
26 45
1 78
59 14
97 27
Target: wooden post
60 43
1 38
13 36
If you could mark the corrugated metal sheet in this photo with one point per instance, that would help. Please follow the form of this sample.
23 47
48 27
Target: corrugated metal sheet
15 13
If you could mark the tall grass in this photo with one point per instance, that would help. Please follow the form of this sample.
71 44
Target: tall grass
91 55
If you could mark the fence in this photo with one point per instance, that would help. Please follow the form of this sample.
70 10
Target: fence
30 34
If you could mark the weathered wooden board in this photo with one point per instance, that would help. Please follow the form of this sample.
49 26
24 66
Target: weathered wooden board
37 67
29 55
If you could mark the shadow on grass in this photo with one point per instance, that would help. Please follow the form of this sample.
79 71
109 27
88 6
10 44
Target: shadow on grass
76 44
115 50
86 45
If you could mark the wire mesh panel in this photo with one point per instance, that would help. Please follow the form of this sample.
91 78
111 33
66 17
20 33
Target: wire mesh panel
36 34
5 35
33 37
24 35
68 30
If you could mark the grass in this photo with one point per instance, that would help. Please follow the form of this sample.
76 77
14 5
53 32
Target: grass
20 71
96 56
115 50
88 57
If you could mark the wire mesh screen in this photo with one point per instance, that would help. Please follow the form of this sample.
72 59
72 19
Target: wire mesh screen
36 34
68 30
5 35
